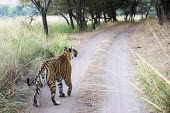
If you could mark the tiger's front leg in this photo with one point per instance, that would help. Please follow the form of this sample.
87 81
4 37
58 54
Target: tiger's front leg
53 92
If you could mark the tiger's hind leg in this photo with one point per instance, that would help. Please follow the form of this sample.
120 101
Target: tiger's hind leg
53 92
69 84
36 103
60 87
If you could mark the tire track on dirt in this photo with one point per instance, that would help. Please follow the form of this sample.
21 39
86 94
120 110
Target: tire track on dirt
122 97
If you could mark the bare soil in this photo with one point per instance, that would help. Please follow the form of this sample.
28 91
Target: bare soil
100 76
144 43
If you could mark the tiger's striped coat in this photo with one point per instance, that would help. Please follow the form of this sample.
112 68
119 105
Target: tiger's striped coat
52 70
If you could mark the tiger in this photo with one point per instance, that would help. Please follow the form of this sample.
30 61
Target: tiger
52 70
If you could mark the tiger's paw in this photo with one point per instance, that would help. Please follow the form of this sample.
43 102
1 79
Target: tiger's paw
68 93
62 95
57 103
36 105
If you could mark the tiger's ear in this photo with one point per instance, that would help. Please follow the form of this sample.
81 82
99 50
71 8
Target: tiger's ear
70 50
65 48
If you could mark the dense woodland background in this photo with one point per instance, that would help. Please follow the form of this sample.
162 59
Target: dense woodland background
80 12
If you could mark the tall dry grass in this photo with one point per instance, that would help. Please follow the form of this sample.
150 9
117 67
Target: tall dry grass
22 49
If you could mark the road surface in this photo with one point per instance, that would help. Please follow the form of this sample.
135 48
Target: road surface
114 102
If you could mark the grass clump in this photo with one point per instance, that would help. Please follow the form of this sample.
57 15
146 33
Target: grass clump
22 49
156 90
62 28
14 102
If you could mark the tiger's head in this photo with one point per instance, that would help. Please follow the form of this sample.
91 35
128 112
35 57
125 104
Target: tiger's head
71 52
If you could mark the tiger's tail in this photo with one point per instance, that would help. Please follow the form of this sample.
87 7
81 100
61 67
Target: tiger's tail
34 80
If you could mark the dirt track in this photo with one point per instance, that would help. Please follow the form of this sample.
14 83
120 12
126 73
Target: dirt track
121 96
116 102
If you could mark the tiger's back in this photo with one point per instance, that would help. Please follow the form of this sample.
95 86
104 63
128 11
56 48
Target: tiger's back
58 67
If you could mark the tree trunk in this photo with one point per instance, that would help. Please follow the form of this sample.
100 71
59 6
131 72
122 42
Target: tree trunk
83 15
114 16
159 13
95 19
44 20
147 13
80 14
142 15
70 14
93 23
71 19
104 13
77 17
167 8
141 12
68 23
126 17
111 12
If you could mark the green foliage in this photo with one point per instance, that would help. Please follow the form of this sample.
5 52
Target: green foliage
28 11
144 6
17 10
4 10
155 89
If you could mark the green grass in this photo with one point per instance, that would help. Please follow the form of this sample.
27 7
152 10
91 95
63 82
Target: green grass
22 49
61 28
14 102
156 88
